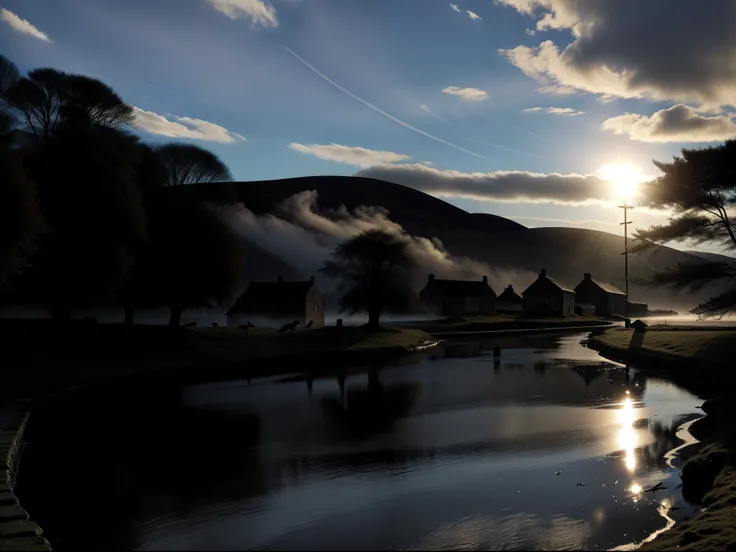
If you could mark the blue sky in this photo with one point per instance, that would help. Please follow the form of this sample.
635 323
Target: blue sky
235 73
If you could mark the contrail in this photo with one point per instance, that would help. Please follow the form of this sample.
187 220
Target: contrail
428 110
381 111
529 132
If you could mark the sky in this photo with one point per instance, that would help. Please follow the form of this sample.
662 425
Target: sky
514 107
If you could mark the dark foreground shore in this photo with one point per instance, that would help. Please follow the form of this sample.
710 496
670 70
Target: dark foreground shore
700 359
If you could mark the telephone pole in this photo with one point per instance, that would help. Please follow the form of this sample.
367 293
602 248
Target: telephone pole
625 224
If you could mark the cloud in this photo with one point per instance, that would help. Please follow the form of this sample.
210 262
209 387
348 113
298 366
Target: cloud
379 110
658 49
258 11
22 25
679 123
183 127
555 111
455 8
474 16
467 94
359 157
304 236
500 186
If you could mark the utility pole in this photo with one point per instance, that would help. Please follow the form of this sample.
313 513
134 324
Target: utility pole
625 224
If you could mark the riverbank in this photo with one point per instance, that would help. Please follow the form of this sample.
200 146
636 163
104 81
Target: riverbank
502 323
42 357
701 360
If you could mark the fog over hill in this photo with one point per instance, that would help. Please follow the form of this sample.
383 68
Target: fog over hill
290 226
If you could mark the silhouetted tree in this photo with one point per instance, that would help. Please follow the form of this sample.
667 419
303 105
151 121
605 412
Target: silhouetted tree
47 97
374 269
90 196
190 164
196 258
700 187
21 220
9 74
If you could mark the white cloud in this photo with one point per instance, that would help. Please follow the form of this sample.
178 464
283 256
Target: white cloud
474 16
530 32
467 94
22 25
558 90
360 157
679 123
555 111
655 49
455 8
501 186
183 127
259 12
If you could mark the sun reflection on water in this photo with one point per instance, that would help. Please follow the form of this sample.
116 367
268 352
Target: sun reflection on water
627 438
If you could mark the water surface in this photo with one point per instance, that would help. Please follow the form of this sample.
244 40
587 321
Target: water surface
547 449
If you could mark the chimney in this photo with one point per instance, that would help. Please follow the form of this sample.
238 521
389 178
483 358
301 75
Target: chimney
280 279
510 288
430 278
587 277
543 273
485 279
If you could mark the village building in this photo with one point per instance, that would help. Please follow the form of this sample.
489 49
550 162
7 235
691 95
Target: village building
279 303
637 308
509 302
584 309
607 298
458 297
548 297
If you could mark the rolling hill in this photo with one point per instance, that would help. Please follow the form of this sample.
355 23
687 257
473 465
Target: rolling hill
566 253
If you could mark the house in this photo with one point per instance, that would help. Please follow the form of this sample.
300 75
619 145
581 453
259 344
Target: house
509 301
637 308
279 302
547 297
607 298
458 297
584 309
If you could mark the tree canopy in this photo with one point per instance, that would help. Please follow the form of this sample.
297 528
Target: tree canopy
190 164
700 188
373 269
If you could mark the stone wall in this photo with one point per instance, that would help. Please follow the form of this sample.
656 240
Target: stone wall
17 531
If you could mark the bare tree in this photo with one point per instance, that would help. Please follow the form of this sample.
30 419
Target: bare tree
190 164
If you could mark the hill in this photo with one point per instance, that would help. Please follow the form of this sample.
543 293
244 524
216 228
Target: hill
566 253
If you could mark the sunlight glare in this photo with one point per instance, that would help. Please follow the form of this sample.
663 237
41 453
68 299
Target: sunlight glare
635 488
624 178
627 438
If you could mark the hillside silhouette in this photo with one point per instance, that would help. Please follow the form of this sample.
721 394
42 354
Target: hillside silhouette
502 243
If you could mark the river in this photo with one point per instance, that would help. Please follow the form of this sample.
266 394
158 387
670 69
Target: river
550 448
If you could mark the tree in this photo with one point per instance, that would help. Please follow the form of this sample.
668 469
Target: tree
373 268
21 220
190 164
90 197
700 188
48 97
9 74
195 259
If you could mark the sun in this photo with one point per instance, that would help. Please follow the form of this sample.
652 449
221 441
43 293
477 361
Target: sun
624 178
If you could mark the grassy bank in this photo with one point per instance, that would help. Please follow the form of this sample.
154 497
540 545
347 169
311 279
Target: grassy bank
41 355
700 359
503 323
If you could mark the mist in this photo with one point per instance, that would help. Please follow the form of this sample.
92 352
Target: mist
304 236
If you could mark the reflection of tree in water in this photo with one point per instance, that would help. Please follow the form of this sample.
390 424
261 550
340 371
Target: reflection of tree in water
364 412
665 439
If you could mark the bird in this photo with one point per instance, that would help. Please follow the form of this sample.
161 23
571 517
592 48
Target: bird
657 487
558 473
580 485
309 324
291 326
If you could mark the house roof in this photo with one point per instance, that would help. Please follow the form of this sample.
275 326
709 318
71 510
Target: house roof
510 295
553 282
637 303
272 296
455 288
608 288
563 287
